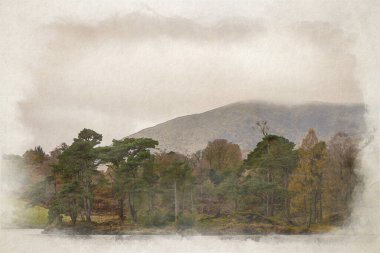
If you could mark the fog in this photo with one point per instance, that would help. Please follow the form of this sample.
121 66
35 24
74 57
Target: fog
121 71
177 243
119 66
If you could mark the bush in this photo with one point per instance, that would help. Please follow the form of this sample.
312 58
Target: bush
154 219
31 217
186 221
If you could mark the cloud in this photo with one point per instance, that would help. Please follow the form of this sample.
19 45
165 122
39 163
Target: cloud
126 73
137 26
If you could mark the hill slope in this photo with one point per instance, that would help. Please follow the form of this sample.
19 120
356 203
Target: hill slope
235 123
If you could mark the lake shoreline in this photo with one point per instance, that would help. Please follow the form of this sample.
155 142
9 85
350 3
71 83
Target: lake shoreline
236 230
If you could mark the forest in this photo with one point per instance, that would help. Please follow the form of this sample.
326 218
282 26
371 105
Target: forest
131 186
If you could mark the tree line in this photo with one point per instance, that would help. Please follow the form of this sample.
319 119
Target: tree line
312 183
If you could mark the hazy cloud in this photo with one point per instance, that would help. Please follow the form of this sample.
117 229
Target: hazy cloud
126 73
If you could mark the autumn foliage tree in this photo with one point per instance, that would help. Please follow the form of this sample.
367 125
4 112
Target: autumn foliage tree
175 177
308 179
222 157
277 184
341 177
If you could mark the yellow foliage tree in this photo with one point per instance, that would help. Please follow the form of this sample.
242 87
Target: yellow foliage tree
307 180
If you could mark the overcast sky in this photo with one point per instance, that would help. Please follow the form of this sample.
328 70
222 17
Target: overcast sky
117 66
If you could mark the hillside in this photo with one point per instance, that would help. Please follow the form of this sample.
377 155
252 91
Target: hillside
235 123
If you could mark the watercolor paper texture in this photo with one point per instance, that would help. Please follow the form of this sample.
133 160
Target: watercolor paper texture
222 126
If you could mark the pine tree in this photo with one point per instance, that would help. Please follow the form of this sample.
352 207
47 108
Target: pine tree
271 163
78 167
124 158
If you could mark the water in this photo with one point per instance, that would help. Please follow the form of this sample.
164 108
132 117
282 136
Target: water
32 240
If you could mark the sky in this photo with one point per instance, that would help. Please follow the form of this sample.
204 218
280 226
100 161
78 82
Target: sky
120 66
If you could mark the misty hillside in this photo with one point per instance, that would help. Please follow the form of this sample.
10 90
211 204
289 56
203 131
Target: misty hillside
235 123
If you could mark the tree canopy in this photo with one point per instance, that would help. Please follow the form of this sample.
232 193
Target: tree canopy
277 183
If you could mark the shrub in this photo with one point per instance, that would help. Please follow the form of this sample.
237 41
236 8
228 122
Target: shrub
186 221
154 219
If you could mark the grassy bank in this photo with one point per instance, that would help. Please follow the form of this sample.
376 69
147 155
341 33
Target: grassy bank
22 215
206 225
18 214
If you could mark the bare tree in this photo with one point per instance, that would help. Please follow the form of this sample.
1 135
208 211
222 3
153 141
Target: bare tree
263 127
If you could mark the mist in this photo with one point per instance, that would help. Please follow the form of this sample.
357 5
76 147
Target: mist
118 67
125 72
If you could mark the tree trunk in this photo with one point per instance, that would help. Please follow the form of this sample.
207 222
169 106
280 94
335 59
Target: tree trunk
151 202
320 207
183 201
121 210
314 206
268 197
55 184
305 208
132 209
86 180
81 216
272 203
310 211
74 212
192 202
286 201
60 218
86 199
175 203
73 218
88 212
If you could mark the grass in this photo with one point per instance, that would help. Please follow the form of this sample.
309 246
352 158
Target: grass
23 216
321 228
30 217
110 224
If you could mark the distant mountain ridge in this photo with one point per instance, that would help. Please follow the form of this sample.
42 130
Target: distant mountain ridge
235 122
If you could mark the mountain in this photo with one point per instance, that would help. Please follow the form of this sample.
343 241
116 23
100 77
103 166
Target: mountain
235 122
